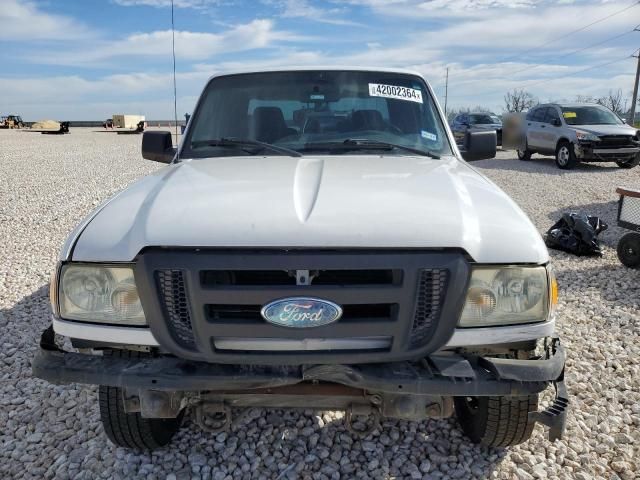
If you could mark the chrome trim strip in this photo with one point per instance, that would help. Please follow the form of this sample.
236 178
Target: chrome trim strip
462 337
307 344
469 337
105 333
616 150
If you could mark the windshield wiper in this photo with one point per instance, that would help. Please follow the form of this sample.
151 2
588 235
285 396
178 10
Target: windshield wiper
365 144
244 142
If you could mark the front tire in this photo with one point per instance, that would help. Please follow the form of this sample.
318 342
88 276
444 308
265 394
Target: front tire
565 156
496 421
131 430
524 155
634 162
629 250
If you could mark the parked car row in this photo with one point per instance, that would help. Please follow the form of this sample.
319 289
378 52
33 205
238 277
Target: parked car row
572 133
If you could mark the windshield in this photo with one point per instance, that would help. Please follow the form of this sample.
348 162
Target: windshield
313 109
590 115
480 119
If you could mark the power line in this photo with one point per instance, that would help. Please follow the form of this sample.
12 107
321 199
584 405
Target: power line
531 67
549 42
577 51
528 85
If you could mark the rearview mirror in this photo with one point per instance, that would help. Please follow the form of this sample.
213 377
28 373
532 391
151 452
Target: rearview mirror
479 145
158 146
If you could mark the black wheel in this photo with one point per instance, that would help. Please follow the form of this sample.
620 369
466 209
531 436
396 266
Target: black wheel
131 430
496 421
634 162
565 156
629 250
524 155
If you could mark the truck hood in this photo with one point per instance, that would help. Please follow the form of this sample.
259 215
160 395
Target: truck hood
357 201
606 129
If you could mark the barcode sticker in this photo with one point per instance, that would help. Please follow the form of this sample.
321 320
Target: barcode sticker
396 92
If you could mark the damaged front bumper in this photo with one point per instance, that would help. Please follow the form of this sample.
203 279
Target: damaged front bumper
445 374
589 151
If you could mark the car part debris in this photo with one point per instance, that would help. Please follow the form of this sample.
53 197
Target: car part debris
576 233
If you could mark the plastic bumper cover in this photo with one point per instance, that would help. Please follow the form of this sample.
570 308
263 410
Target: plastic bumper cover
589 151
443 374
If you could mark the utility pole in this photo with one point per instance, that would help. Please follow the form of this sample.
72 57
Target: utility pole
634 101
446 91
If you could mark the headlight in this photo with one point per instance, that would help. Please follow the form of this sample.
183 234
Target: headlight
586 136
94 293
508 295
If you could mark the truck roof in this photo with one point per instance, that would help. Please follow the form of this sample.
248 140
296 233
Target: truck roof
319 67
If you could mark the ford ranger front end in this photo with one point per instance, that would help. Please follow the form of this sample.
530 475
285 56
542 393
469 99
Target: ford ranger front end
317 241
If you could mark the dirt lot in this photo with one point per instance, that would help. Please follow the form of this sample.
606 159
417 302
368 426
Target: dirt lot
49 183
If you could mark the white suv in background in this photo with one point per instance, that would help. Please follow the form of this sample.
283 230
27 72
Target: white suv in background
576 133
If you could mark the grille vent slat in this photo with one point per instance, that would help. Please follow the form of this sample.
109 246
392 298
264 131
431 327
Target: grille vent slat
615 141
429 300
173 296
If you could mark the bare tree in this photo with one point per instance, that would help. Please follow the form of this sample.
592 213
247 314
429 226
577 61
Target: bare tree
519 101
614 101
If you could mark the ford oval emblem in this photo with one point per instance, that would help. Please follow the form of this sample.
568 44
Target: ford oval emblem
301 312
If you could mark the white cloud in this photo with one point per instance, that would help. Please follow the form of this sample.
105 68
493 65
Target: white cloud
461 7
190 46
23 20
167 3
72 97
487 46
304 9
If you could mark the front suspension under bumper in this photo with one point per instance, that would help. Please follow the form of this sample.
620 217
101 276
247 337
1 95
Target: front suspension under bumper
441 374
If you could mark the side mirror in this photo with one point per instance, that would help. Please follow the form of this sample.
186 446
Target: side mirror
479 145
158 146
556 122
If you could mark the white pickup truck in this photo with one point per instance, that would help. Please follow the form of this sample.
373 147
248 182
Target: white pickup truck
316 241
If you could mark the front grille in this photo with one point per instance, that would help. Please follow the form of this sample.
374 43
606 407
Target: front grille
216 278
430 297
173 296
616 141
251 313
396 304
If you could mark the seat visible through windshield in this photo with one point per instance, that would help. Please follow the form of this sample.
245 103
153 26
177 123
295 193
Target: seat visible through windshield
299 108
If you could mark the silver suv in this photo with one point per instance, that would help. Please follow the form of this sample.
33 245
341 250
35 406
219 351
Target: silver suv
575 133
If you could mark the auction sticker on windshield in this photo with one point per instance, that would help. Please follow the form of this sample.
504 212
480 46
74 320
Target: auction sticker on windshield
394 91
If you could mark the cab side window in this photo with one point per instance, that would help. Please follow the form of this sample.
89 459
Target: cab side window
552 115
532 113
539 115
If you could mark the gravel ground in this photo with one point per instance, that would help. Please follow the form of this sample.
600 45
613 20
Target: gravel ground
48 183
